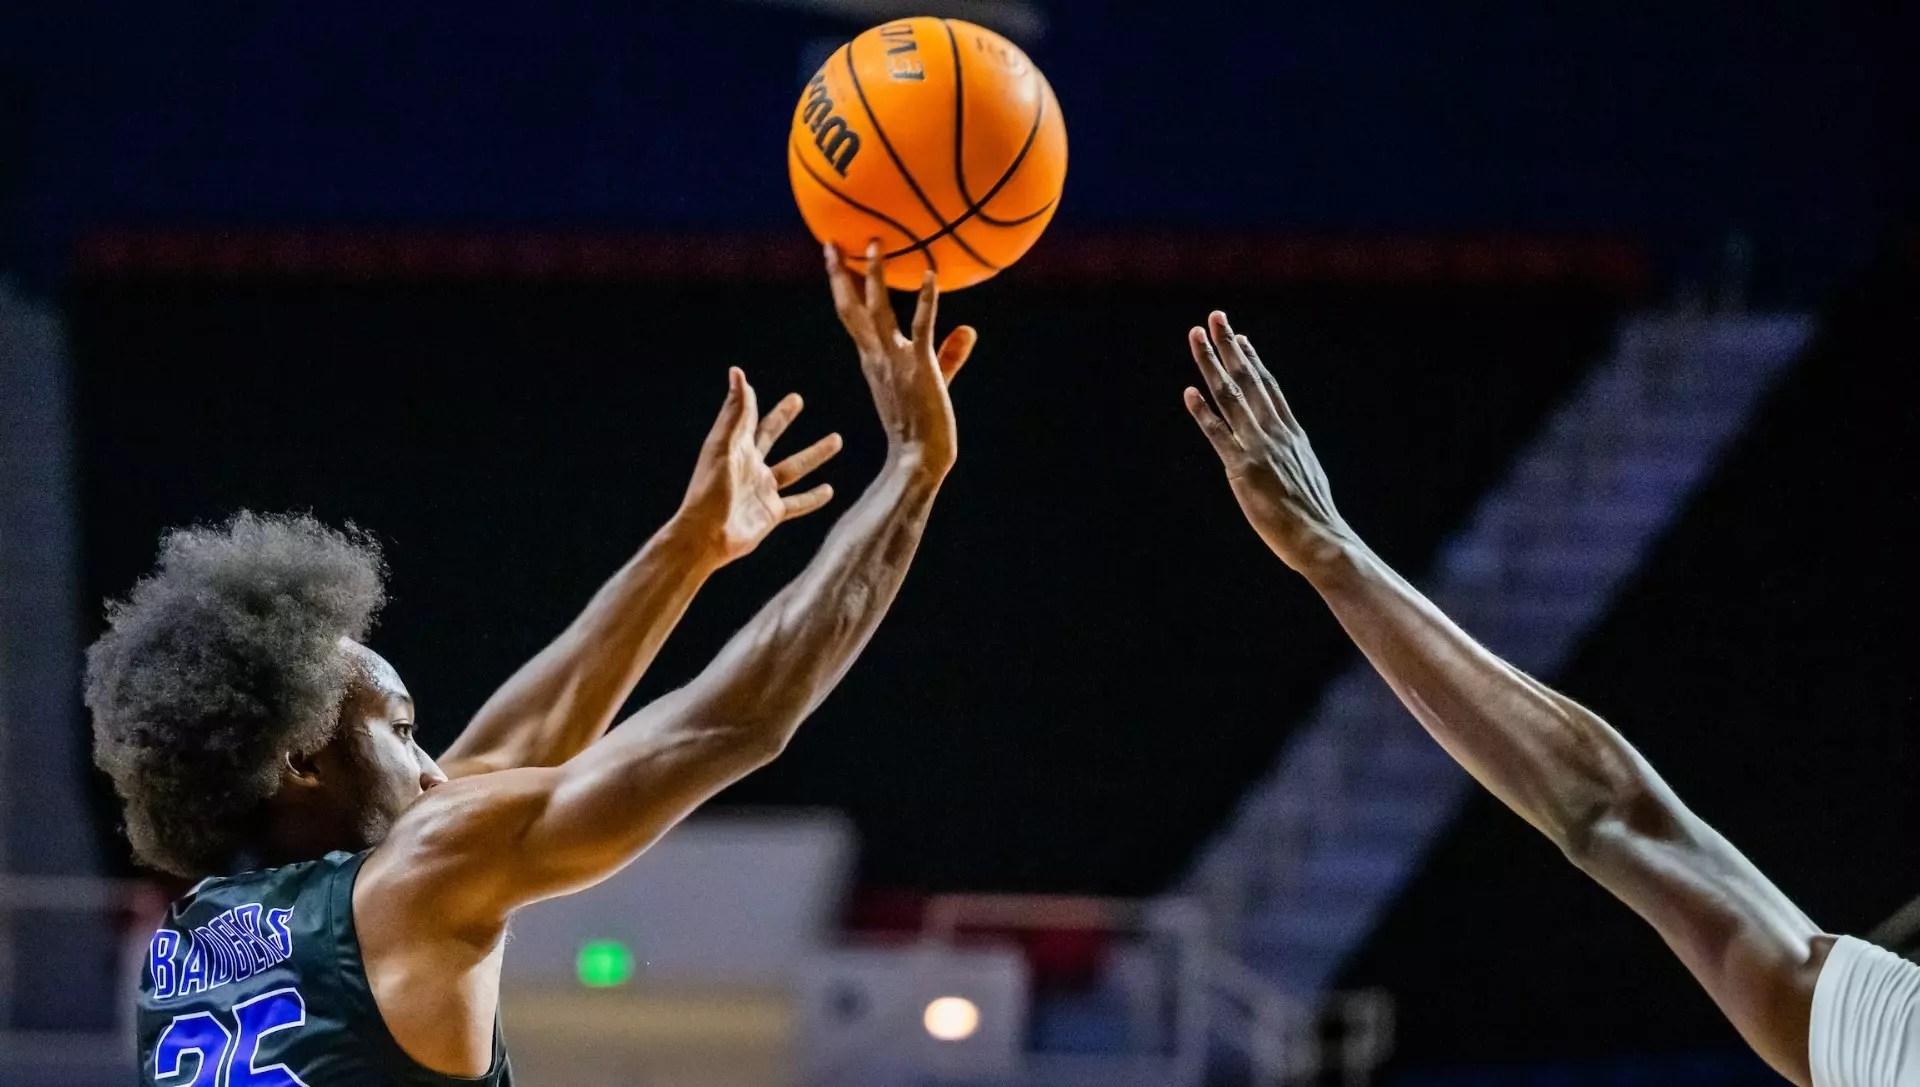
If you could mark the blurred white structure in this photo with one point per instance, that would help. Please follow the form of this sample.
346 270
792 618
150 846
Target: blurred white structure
680 969
722 899
864 1014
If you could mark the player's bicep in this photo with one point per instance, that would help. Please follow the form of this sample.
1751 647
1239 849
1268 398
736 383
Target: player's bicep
1754 951
472 850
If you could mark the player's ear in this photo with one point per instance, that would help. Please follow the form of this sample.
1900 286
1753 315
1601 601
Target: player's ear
300 771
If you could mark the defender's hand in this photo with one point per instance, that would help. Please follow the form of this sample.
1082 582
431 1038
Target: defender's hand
1272 468
734 500
908 379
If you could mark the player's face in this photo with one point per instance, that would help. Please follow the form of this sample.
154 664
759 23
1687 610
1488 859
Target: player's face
389 770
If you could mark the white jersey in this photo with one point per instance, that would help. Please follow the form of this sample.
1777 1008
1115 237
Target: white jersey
1866 1019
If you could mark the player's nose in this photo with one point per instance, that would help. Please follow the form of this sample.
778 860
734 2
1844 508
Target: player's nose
430 773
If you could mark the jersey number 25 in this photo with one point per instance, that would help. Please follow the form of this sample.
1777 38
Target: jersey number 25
216 1048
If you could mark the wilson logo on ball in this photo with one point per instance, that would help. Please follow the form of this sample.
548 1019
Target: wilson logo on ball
830 132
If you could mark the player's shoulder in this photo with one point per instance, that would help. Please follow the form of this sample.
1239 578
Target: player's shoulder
1855 966
253 882
1865 1028
466 813
1852 963
445 850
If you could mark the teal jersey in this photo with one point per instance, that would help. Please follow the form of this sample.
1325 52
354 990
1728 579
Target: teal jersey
256 980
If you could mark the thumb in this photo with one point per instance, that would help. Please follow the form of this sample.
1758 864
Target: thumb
747 421
729 417
955 350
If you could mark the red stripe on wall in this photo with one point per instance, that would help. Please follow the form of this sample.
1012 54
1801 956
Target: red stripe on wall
1086 258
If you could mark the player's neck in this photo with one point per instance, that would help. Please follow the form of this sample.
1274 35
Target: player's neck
292 835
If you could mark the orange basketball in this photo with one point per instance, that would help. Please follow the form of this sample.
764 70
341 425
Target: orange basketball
937 137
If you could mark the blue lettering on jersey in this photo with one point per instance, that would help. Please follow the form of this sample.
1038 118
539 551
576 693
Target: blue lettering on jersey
234 946
280 936
219 957
247 920
235 940
160 962
193 972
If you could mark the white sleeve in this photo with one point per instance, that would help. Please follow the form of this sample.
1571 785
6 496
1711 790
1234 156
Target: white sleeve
1866 1019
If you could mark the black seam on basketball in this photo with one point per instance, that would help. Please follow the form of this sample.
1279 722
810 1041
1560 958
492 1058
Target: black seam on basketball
945 228
978 207
919 245
950 228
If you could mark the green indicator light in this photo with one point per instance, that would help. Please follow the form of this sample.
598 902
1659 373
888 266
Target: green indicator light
603 964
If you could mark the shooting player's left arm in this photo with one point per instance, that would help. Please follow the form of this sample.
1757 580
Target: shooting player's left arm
566 697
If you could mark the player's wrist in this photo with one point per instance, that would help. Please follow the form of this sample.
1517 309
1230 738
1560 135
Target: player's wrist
694 539
1333 560
919 461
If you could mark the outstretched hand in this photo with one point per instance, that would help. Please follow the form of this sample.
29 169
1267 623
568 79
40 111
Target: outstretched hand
734 498
1270 464
908 377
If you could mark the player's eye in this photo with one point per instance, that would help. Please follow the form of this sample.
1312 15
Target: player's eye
405 729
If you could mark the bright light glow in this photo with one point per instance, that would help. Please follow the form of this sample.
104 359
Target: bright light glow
952 1018
603 964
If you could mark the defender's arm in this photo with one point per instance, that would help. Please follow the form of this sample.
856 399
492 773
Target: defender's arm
1560 767
1574 778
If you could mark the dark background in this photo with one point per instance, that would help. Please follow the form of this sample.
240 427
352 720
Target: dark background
1094 656
1763 661
1092 637
1676 122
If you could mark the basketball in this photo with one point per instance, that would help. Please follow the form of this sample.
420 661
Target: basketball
939 138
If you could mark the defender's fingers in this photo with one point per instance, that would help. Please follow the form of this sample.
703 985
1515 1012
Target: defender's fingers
1216 431
795 468
879 305
847 302
1239 369
777 421
955 350
1232 400
799 505
1267 379
925 308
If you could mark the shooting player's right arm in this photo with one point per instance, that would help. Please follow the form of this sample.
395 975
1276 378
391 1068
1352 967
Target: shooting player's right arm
473 849
505 839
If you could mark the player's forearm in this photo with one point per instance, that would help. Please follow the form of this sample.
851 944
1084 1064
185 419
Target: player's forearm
1573 777
612 801
565 697
1553 762
787 659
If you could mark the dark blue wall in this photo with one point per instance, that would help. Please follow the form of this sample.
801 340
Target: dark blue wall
1674 122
